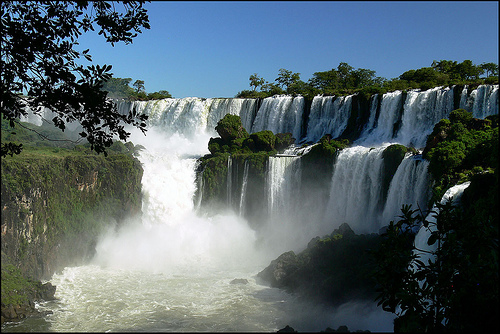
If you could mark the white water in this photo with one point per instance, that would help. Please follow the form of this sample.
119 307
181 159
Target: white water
454 194
329 115
280 114
482 102
356 187
409 185
171 271
421 111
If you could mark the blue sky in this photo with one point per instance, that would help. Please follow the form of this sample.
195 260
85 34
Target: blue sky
209 49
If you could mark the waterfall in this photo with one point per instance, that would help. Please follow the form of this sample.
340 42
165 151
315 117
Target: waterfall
372 121
482 101
283 230
280 114
421 111
329 115
454 194
380 130
170 270
229 181
356 189
485 101
244 188
283 178
410 185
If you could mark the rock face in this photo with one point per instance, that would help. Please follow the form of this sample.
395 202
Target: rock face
53 206
19 294
333 269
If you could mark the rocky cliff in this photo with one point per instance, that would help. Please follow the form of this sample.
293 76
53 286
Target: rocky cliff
54 204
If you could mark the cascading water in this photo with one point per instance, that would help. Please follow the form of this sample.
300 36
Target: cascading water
243 188
280 114
356 190
408 186
329 115
172 270
421 111
423 249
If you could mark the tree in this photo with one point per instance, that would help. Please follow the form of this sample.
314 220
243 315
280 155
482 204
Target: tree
162 94
139 86
456 289
286 78
491 69
39 59
362 78
256 81
118 88
448 67
468 71
327 81
344 71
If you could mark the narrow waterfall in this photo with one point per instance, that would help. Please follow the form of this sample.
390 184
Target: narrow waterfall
243 189
421 111
280 114
329 115
484 101
381 129
283 179
282 188
454 194
229 181
356 190
410 185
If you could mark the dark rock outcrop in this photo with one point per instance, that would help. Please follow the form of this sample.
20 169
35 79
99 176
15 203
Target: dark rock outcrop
332 269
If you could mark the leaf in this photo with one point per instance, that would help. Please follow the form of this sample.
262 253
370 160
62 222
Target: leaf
432 239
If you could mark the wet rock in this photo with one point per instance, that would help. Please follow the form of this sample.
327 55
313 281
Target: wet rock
287 329
278 272
47 291
239 281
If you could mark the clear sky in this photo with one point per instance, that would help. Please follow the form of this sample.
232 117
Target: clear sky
209 49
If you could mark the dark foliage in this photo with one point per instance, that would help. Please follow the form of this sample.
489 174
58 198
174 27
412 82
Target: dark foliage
39 59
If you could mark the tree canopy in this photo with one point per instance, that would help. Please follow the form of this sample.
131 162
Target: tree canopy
119 88
345 79
40 66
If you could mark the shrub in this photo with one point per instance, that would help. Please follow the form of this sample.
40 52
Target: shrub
230 128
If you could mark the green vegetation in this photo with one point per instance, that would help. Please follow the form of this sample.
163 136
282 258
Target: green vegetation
14 286
119 88
345 80
459 147
235 141
460 292
62 195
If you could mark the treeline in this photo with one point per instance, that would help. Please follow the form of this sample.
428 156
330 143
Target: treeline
345 80
119 88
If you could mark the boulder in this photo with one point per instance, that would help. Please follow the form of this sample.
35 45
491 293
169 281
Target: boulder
278 272
239 281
